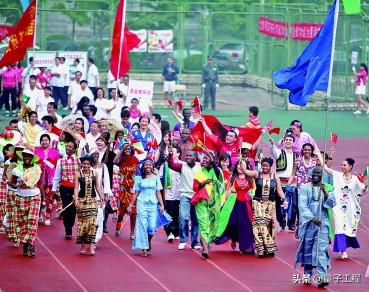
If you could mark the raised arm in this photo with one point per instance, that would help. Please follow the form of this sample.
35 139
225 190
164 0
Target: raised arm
249 173
205 126
173 165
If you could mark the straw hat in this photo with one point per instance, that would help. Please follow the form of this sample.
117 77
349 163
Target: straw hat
246 145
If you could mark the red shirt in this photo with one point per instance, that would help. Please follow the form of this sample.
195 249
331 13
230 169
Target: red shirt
232 150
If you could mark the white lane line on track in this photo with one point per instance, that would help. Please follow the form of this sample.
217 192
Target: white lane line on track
223 271
156 280
69 273
299 270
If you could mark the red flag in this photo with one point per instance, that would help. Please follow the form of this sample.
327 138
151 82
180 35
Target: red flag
274 131
196 104
22 37
360 177
180 104
249 135
334 138
170 102
121 44
6 30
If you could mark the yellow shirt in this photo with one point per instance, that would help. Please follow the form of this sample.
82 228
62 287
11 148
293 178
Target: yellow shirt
30 133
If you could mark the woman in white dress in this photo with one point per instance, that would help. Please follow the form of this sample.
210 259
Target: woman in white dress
102 173
104 106
346 213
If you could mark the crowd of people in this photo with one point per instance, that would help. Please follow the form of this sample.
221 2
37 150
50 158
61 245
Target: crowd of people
114 157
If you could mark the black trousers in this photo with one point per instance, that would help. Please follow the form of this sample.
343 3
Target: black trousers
210 91
58 94
12 92
281 213
172 207
69 214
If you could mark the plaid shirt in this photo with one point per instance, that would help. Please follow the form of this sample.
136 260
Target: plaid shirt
65 172
69 167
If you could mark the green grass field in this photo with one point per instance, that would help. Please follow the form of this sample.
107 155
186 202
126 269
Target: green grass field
345 124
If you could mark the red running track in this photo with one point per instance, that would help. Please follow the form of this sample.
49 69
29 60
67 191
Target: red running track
59 267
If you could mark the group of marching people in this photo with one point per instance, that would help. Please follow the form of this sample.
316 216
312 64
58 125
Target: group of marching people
229 190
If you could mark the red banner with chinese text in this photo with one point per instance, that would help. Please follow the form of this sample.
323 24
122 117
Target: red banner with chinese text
22 37
284 30
5 30
305 31
273 28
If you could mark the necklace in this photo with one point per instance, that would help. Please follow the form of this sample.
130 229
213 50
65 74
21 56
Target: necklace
347 180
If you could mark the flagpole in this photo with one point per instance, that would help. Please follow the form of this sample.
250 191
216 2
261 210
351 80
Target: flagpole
121 38
329 89
35 29
336 12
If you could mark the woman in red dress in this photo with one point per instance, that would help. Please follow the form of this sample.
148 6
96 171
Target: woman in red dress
127 163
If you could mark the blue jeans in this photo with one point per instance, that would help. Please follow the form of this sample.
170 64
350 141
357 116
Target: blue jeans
187 212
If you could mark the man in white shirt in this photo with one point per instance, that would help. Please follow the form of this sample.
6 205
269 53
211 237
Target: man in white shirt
77 66
42 102
33 92
57 82
93 76
65 69
123 88
112 83
115 114
84 91
28 72
51 111
92 136
73 89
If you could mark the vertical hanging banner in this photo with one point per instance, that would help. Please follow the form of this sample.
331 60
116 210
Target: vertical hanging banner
160 41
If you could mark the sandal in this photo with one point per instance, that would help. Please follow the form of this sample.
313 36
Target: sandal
144 253
92 250
83 250
344 256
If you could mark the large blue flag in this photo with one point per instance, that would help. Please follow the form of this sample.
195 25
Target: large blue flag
311 71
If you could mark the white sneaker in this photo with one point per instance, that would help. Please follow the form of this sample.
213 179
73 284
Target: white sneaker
197 247
47 222
170 238
357 112
177 238
181 246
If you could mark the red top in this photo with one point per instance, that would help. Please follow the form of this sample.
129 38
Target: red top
242 187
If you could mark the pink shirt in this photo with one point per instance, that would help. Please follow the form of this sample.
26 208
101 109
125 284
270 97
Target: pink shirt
9 78
301 140
44 78
19 73
361 78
